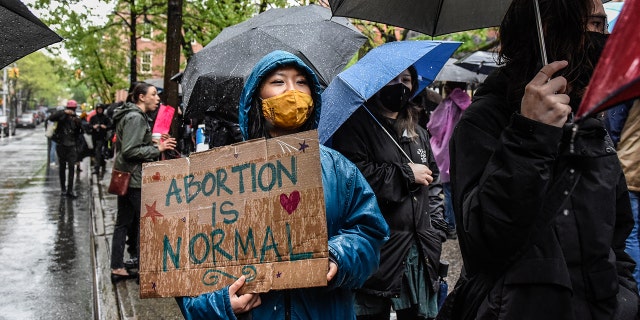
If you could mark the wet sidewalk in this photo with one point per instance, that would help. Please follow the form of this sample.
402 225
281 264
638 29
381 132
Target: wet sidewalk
122 300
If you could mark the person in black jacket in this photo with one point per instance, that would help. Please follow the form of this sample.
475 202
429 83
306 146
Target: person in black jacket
541 203
66 135
99 124
392 151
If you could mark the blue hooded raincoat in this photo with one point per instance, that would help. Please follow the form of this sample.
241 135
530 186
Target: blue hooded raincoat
355 225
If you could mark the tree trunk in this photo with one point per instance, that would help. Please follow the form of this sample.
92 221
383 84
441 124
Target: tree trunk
172 62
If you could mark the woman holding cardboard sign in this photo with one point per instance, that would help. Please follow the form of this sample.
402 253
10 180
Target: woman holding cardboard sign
282 96
134 146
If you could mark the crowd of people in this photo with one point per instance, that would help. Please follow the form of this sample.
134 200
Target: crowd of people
545 211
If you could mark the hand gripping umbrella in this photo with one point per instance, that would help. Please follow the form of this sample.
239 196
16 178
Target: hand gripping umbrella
616 78
352 87
214 77
22 32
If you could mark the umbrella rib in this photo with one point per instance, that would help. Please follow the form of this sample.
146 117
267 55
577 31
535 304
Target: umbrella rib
353 89
437 17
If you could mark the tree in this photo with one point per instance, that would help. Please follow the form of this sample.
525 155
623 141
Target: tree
97 49
39 82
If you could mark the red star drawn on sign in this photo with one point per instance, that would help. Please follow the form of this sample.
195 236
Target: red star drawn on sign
152 212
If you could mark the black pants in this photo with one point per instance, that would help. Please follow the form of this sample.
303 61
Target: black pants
127 224
98 145
66 160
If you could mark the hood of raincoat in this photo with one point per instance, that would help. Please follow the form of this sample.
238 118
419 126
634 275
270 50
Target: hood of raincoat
441 124
124 109
460 98
268 63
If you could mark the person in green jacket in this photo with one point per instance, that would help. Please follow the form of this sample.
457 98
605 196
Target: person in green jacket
134 146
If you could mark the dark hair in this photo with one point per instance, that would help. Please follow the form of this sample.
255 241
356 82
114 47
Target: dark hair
138 89
565 39
450 85
257 126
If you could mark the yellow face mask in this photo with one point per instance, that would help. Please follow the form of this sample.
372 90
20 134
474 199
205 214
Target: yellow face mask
289 110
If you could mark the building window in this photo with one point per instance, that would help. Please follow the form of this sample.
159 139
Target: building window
147 31
145 62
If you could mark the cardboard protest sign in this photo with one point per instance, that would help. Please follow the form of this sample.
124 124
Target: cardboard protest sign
254 208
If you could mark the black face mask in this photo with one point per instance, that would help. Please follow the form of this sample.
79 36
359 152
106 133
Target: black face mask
593 49
394 97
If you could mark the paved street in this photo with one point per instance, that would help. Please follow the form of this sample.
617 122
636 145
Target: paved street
50 262
45 269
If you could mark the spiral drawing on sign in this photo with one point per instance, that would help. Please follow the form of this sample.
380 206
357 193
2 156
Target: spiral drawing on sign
212 276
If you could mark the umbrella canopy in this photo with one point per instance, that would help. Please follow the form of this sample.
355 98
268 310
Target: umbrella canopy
214 77
22 32
479 62
612 10
434 18
616 78
453 72
352 87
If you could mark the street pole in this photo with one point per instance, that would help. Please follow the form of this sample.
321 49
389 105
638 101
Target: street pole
5 90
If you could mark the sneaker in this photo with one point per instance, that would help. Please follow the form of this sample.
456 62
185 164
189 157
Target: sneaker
71 194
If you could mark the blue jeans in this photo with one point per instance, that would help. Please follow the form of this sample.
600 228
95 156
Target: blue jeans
448 206
632 243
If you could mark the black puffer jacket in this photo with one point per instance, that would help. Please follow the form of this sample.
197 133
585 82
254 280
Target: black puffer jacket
68 129
542 229
406 206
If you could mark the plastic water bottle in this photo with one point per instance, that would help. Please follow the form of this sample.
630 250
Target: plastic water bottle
201 140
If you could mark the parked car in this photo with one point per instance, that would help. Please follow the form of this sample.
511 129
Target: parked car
27 120
36 116
7 126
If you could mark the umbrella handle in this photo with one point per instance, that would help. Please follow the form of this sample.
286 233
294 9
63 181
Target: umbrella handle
543 47
388 134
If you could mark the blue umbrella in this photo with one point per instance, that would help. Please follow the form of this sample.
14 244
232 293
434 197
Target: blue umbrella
352 87
613 10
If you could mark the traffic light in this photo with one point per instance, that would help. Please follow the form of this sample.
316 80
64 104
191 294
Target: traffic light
14 73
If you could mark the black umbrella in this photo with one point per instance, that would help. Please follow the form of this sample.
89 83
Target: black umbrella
480 62
433 17
455 73
22 32
213 78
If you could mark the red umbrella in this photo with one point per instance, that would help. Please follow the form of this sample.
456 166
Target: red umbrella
617 76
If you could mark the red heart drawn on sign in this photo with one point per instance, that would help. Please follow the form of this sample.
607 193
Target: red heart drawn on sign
156 176
290 203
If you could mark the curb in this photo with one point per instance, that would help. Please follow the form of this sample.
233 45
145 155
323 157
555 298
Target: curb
122 300
105 299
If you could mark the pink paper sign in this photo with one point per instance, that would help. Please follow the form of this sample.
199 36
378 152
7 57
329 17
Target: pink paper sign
163 119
